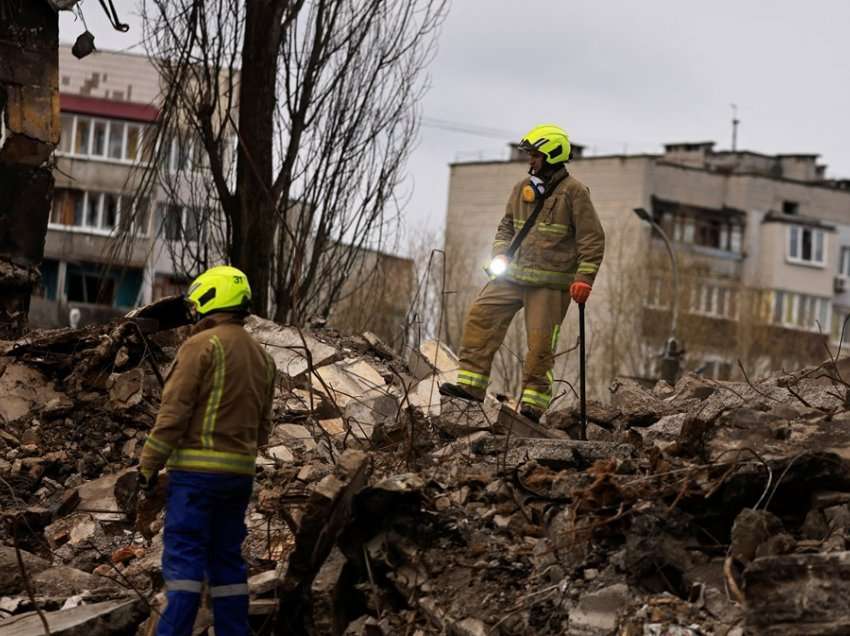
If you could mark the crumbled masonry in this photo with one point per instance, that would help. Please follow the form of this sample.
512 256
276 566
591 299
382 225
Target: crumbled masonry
708 508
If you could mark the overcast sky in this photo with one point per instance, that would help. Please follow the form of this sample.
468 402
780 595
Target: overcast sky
618 76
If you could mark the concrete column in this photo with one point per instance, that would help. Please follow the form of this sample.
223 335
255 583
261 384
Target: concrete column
29 108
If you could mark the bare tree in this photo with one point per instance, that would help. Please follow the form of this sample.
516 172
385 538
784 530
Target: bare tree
284 131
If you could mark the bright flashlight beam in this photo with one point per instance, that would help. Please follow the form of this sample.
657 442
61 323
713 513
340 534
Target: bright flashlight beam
498 266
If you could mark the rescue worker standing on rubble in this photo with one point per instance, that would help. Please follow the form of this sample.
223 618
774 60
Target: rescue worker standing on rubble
215 412
557 260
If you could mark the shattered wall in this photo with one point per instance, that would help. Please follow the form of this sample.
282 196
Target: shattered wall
29 132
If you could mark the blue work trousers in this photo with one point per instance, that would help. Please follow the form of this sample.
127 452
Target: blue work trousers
204 531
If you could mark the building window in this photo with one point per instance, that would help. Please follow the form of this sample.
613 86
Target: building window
790 207
716 369
110 139
99 211
838 318
179 222
806 245
800 311
658 294
89 287
717 301
715 231
844 262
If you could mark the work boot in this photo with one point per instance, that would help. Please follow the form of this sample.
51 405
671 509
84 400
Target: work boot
526 410
456 391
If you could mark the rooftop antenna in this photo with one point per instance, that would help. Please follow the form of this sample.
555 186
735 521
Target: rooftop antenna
735 122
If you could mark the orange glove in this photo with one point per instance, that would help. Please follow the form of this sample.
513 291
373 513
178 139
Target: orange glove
580 292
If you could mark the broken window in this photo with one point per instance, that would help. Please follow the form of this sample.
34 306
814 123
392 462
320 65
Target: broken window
88 287
179 222
806 245
790 207
715 229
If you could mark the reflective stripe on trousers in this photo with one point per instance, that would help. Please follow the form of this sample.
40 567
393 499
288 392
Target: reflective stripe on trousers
204 531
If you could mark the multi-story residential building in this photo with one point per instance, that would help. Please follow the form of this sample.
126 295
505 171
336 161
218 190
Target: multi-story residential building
762 243
109 104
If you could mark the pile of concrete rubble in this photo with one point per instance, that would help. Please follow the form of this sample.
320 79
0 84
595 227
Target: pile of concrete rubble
705 508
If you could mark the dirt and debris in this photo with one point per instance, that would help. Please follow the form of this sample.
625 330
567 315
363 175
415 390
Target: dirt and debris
718 508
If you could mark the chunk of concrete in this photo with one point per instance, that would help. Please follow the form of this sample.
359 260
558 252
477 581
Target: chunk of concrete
348 381
664 431
280 453
325 593
24 389
596 612
126 390
425 395
432 358
798 594
10 574
263 583
298 433
64 582
97 619
287 348
554 453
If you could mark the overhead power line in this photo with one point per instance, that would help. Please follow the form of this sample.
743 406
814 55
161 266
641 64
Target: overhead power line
468 129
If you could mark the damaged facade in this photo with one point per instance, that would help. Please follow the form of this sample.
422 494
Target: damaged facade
763 244
109 106
29 131
381 509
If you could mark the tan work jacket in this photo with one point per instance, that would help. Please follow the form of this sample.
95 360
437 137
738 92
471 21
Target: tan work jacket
216 404
566 244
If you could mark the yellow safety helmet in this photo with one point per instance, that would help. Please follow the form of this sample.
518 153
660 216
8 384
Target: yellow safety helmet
221 288
549 139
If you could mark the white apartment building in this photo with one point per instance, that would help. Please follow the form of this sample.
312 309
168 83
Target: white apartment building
762 242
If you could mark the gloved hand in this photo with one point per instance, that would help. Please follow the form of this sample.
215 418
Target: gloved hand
580 292
147 481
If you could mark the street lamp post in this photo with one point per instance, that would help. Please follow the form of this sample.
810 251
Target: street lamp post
672 356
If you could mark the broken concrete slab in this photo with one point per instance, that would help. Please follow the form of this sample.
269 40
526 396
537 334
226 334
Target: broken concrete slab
287 346
348 381
596 612
298 433
664 431
97 619
263 583
23 388
461 417
556 453
126 390
425 395
432 358
63 582
10 574
804 594
325 593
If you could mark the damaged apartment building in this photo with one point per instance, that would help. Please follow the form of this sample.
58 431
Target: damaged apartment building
762 244
91 272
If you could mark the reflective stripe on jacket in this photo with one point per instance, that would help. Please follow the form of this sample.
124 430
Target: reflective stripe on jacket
566 244
216 404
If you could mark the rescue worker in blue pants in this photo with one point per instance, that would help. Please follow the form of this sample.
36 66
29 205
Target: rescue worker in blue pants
215 412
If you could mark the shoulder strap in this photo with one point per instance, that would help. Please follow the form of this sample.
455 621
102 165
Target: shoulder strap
519 237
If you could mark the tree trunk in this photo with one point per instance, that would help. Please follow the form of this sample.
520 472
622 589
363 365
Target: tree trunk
29 108
254 225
